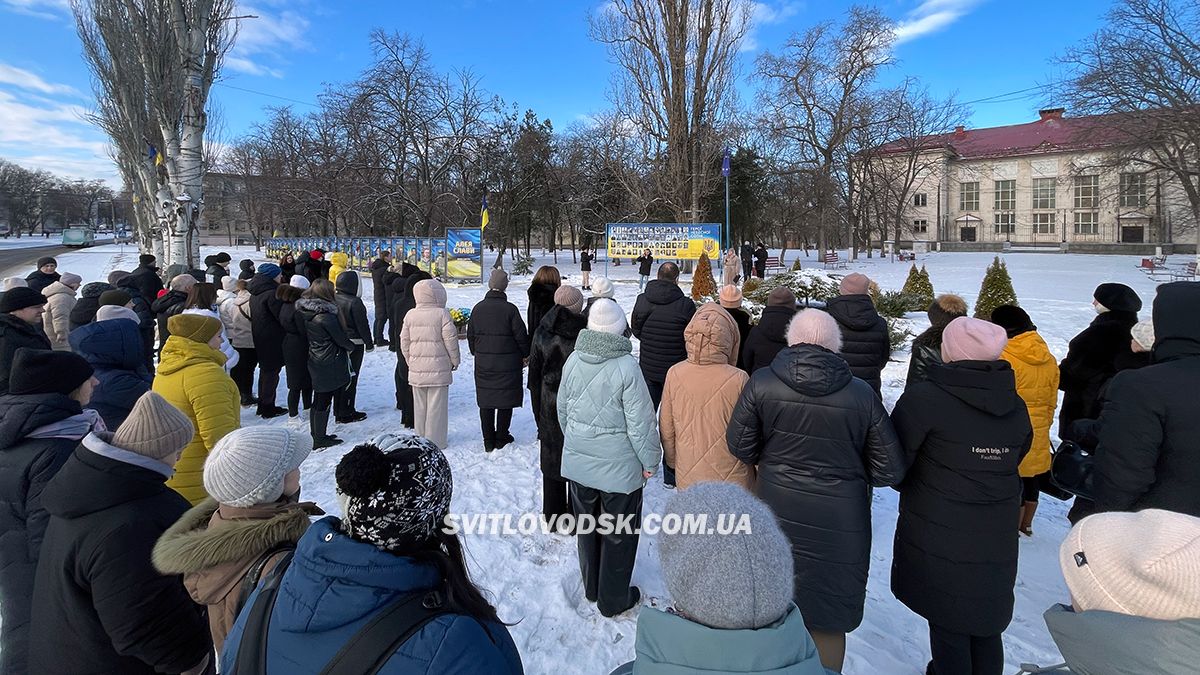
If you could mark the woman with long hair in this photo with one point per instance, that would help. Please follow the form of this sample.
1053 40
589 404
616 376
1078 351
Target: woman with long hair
328 356
202 300
541 296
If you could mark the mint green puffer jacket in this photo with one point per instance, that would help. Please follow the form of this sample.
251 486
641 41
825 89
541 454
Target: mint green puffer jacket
609 427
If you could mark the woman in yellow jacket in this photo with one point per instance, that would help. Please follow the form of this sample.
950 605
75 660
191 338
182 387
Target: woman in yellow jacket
1037 384
191 376
339 262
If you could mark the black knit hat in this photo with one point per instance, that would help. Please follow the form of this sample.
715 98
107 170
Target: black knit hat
246 264
147 260
114 297
223 257
41 371
396 492
20 298
1118 298
46 260
1013 320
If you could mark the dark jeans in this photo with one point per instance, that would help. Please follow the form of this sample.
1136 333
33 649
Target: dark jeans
243 372
960 654
606 561
404 396
555 501
495 422
746 267
656 394
268 382
345 403
295 396
381 319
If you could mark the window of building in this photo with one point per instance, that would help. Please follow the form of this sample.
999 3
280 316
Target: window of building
1133 190
920 227
1006 195
1043 223
1043 193
968 196
1087 192
1087 222
1006 223
920 199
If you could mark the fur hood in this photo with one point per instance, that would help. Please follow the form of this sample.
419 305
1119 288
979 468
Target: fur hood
191 546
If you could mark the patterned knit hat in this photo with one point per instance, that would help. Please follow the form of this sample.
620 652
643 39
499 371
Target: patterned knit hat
154 428
569 297
395 492
247 466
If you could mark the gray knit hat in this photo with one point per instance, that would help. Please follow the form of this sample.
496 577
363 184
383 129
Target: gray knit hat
569 297
741 580
154 428
498 280
247 466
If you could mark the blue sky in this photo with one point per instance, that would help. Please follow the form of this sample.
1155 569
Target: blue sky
532 52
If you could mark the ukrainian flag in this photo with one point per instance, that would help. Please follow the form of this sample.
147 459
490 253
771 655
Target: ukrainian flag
483 215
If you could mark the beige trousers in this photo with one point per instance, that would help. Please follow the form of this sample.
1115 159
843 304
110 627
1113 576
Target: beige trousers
431 418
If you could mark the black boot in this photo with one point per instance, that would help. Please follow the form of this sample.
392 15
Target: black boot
318 423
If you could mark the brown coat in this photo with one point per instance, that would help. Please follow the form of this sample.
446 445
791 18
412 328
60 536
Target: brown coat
698 400
214 546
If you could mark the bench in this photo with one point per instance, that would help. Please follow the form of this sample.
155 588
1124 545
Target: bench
831 260
1185 273
1154 264
774 265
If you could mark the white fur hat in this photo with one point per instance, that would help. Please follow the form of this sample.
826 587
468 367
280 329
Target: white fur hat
815 327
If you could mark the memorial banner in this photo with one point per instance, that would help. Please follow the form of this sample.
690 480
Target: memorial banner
666 241
464 254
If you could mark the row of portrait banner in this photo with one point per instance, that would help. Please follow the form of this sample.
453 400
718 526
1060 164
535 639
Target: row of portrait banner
456 256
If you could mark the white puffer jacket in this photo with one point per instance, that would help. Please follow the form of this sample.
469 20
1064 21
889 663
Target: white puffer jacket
234 309
429 339
231 355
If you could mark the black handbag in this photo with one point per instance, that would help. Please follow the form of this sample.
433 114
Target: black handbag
1072 469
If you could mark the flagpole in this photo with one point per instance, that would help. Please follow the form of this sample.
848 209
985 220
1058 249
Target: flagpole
725 170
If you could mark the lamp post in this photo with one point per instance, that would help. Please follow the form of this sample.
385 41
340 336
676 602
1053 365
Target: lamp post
725 172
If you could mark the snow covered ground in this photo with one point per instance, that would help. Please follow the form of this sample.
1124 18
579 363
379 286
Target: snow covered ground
535 579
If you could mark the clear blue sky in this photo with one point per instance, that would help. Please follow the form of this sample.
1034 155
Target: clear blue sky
532 52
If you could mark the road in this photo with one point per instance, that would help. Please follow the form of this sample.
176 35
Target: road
20 261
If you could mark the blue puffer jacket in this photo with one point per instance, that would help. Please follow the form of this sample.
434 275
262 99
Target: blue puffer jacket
335 585
115 350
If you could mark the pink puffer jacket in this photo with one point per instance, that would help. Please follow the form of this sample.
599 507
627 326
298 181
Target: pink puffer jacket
429 339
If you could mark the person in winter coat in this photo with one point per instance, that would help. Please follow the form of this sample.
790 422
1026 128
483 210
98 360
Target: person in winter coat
316 267
379 270
389 546
202 300
338 262
404 303
20 326
698 400
760 260
731 301
41 422
747 255
171 304
645 262
302 261
1091 356
353 315
44 275
191 376
602 287
146 321
295 349
499 341
820 440
541 295
731 594
267 331
1148 456
865 343
586 257
246 270
550 347
1133 609
954 561
329 350
729 268
927 347
84 311
1036 372
769 336
429 343
108 506
112 346
610 447
287 263
217 268
250 522
659 317
234 309
60 300
145 277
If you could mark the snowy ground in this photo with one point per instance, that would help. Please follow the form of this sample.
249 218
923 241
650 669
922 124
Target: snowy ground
535 580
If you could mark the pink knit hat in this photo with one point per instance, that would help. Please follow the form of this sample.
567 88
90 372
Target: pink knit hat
968 339
855 284
731 297
815 327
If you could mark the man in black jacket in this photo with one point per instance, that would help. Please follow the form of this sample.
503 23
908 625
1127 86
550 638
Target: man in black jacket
769 337
20 326
44 275
379 271
354 317
760 261
267 331
108 506
1149 451
171 304
145 276
644 261
747 260
1092 355
865 344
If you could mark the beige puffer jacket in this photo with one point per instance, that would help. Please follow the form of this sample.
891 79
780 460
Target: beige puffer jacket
698 400
429 339
234 309
60 300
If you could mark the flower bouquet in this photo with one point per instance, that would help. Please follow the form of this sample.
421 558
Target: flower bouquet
460 316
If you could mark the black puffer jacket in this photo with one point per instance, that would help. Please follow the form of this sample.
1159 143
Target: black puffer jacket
965 430
659 317
164 308
146 323
926 352
1090 362
84 311
328 346
265 325
106 516
216 273
379 270
404 303
552 344
499 341
820 439
14 334
645 262
352 309
147 281
865 343
742 318
301 266
39 280
1149 451
26 465
541 299
295 347
767 339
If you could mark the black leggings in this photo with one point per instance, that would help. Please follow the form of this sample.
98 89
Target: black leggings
961 654
294 398
323 399
1030 489
243 373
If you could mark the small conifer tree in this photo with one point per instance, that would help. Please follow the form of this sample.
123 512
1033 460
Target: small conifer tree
704 286
996 290
918 289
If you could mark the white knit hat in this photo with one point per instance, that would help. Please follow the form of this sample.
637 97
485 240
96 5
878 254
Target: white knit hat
602 287
1142 564
606 316
110 312
815 327
299 281
248 465
1143 334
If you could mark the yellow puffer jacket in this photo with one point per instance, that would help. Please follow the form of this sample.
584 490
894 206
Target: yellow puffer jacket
192 377
339 261
1037 384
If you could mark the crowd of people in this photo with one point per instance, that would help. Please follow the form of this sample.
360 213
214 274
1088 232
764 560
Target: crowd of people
171 539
